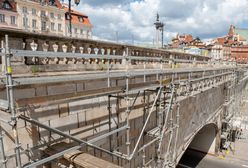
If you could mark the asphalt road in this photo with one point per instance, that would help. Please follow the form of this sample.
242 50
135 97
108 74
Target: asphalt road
198 160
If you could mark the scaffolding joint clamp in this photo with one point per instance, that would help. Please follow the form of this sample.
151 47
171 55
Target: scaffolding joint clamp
5 161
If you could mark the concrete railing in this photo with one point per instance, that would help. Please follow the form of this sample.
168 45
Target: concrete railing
21 40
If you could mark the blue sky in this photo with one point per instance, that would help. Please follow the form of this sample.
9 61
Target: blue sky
133 19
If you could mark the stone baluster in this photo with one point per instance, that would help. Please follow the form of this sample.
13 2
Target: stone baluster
73 48
81 49
64 48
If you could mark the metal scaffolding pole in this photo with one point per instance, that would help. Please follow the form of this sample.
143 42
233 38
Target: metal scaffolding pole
145 124
177 131
2 151
10 93
110 118
128 103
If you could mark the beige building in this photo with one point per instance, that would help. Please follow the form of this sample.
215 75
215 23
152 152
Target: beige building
8 14
41 16
45 17
216 51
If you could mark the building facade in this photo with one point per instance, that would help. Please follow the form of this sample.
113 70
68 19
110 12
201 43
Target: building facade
8 14
233 46
45 16
216 51
81 26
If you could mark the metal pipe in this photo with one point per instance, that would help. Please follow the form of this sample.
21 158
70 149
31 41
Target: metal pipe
110 117
168 155
107 134
144 127
108 71
128 107
166 117
144 158
70 24
32 121
148 144
177 130
2 151
12 103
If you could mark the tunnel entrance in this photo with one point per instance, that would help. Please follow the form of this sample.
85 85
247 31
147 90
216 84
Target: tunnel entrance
202 144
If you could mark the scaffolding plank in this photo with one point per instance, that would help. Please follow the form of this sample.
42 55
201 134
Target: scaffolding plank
86 160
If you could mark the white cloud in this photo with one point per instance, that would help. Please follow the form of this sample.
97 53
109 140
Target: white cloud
135 18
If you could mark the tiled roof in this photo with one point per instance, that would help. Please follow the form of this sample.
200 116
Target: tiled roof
221 40
12 3
76 15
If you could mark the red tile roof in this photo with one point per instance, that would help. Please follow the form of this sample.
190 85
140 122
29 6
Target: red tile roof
221 40
12 3
76 15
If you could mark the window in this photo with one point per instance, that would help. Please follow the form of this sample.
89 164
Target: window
59 27
42 13
67 17
6 5
52 15
81 31
33 11
12 19
53 26
43 26
80 19
25 21
2 18
59 16
34 22
24 9
75 30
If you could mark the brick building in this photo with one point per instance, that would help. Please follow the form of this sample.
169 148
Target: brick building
240 53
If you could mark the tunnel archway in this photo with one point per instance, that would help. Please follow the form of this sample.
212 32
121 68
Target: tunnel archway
205 140
203 143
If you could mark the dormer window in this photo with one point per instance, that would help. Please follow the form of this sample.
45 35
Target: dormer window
6 5
81 20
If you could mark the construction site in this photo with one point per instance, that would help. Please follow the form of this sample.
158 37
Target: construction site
68 102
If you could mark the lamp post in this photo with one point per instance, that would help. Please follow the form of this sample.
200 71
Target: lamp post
159 27
70 25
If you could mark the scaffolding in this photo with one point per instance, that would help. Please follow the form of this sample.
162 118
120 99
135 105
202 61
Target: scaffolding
168 87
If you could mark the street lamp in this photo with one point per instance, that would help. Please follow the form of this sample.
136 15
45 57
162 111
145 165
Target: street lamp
159 27
70 26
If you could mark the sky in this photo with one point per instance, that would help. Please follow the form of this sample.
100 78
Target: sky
132 20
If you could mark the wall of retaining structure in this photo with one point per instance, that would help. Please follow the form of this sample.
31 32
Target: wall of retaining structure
89 118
